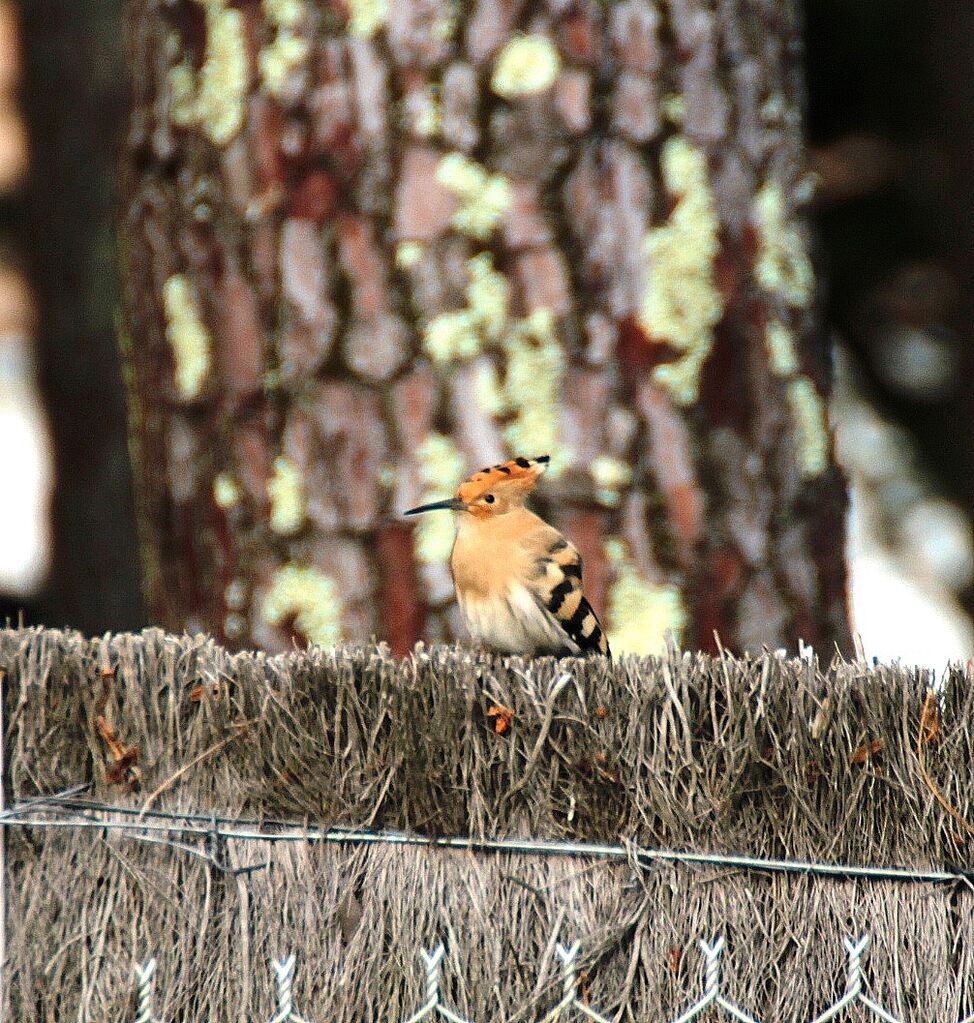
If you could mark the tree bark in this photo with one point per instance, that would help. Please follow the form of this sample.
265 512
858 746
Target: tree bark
368 248
74 104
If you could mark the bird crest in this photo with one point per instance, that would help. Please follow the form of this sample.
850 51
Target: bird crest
521 473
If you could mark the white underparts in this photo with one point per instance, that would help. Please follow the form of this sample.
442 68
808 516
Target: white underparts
513 622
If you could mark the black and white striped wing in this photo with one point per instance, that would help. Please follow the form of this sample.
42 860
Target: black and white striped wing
560 593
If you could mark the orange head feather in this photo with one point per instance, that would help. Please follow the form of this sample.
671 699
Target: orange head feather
494 490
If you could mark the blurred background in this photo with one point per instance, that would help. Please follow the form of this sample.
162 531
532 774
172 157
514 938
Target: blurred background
889 106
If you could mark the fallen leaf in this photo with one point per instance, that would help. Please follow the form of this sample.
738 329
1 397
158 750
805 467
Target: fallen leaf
605 771
867 750
123 771
930 718
503 717
674 960
213 690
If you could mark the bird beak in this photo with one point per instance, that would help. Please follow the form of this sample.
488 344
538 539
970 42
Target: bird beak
453 504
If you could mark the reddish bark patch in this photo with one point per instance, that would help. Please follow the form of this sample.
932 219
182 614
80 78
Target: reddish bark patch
707 622
362 261
314 197
423 206
266 125
543 277
750 245
727 277
826 525
716 585
671 456
403 613
727 572
578 39
240 339
637 352
724 385
686 514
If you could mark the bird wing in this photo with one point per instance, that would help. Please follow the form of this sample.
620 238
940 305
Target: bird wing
559 592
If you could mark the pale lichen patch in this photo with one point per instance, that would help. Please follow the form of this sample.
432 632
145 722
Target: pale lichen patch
811 428
182 95
487 389
527 65
674 108
235 594
187 336
223 76
286 492
445 27
805 405
441 467
534 371
408 254
213 101
681 304
285 13
534 363
424 111
366 17
461 334
488 295
483 198
640 613
309 598
279 58
773 109
226 491
610 476
287 50
783 266
451 336
782 354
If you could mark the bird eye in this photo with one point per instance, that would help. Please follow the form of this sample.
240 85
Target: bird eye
489 499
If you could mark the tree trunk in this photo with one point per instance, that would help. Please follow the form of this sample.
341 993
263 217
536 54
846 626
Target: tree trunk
74 104
371 247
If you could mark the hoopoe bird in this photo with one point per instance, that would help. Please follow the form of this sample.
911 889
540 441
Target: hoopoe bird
518 580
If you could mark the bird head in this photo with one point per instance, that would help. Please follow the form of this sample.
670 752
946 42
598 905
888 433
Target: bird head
493 491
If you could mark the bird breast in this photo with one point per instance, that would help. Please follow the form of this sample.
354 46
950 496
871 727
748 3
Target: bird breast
489 555
494 567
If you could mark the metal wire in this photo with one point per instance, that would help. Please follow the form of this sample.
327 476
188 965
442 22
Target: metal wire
284 974
64 811
216 829
145 978
571 1000
853 990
